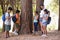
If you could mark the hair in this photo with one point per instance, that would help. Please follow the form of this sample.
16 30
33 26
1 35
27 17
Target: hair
46 11
17 11
36 12
10 8
41 5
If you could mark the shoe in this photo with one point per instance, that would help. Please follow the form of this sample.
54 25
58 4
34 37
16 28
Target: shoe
44 35
15 33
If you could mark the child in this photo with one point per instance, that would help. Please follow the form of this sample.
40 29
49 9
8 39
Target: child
17 23
44 22
35 22
8 21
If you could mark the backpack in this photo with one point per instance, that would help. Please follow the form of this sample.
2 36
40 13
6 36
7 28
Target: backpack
14 18
3 17
49 20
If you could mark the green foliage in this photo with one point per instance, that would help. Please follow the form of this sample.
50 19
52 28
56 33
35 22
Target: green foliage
34 7
54 6
0 11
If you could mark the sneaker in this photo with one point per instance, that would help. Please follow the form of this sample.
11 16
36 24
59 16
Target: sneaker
44 35
15 33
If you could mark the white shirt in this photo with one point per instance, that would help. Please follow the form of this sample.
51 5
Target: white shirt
41 13
7 22
44 16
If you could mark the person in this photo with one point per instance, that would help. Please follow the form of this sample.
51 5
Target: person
44 22
41 16
49 13
35 23
17 23
8 21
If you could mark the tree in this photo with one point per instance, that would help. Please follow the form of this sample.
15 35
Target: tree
3 10
26 16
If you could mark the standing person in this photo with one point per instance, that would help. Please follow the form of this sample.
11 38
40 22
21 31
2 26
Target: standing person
35 22
17 23
44 22
41 16
8 21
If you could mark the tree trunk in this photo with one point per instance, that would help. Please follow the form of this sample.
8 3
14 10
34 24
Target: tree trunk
59 18
38 4
26 16
3 11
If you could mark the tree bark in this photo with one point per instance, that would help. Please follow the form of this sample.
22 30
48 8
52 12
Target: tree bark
59 18
26 16
38 4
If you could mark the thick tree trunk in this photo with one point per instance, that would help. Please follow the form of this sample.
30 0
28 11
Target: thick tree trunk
38 4
26 16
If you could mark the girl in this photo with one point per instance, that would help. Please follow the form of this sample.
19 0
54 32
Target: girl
44 22
35 22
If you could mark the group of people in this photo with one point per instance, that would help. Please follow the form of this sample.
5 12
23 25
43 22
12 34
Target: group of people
43 20
7 21
44 15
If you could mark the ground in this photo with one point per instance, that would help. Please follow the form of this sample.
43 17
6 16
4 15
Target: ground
55 35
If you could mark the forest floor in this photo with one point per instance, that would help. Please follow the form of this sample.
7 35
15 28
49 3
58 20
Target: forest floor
55 35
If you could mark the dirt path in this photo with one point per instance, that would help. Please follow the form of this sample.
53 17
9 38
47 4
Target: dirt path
51 36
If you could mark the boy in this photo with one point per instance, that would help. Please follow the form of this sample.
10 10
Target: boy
8 21
17 23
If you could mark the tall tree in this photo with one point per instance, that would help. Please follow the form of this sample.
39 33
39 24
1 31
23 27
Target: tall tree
26 16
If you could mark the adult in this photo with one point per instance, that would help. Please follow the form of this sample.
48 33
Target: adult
41 16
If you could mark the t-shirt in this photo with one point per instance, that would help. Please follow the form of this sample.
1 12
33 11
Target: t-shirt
41 13
35 19
44 16
18 18
7 21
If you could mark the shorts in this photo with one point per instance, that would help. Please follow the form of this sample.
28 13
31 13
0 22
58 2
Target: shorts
35 26
44 23
17 25
7 27
40 19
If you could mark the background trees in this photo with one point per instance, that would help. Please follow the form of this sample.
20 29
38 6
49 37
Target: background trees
27 9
